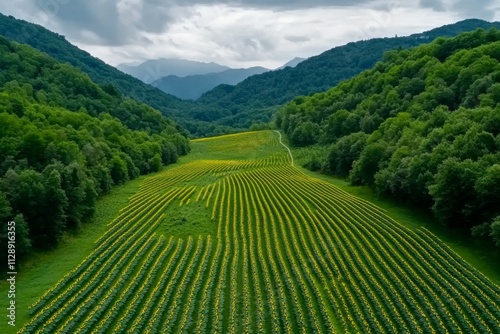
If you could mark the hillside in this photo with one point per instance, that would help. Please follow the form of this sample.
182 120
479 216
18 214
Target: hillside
59 48
66 140
421 126
252 99
236 238
192 87
155 69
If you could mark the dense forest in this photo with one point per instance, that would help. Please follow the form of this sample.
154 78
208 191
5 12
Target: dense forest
423 125
65 140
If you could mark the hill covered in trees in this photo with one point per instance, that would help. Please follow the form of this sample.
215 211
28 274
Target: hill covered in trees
423 125
59 48
256 98
65 140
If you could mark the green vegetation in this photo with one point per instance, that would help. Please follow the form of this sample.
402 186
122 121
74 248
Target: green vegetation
60 49
66 140
288 252
421 126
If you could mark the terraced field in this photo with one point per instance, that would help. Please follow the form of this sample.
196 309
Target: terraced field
247 243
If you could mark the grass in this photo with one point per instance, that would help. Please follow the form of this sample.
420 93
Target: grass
43 269
185 220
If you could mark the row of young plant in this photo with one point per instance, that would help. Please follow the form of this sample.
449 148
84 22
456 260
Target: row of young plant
292 254
441 287
64 307
87 281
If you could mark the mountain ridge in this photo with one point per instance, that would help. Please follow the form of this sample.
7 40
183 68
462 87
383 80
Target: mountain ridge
191 87
154 69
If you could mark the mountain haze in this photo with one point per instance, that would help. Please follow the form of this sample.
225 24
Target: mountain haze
292 63
192 87
154 69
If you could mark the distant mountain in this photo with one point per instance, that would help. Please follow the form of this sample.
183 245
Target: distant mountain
192 87
154 69
292 63
258 97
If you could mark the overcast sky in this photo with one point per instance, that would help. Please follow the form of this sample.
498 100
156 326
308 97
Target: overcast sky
237 33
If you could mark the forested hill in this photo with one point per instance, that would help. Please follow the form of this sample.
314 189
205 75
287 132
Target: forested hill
64 140
252 100
423 125
59 48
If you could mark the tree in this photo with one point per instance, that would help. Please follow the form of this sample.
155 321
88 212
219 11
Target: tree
20 228
51 229
364 169
305 134
31 193
118 170
344 152
32 148
495 230
487 186
454 195
155 163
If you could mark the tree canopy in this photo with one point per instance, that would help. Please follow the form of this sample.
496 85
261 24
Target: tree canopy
65 140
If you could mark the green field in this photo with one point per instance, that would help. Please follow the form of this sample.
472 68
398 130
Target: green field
234 239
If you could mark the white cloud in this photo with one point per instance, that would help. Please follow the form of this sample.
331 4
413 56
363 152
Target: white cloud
244 37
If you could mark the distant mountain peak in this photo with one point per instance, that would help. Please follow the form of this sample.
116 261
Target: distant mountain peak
191 87
154 69
292 63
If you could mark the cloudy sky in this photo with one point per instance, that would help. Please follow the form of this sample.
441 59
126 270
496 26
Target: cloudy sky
237 33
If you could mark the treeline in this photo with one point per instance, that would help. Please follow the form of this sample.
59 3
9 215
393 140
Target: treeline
66 140
423 125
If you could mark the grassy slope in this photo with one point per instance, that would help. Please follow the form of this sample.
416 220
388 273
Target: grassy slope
43 270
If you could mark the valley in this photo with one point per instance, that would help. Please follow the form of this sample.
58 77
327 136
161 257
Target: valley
277 251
